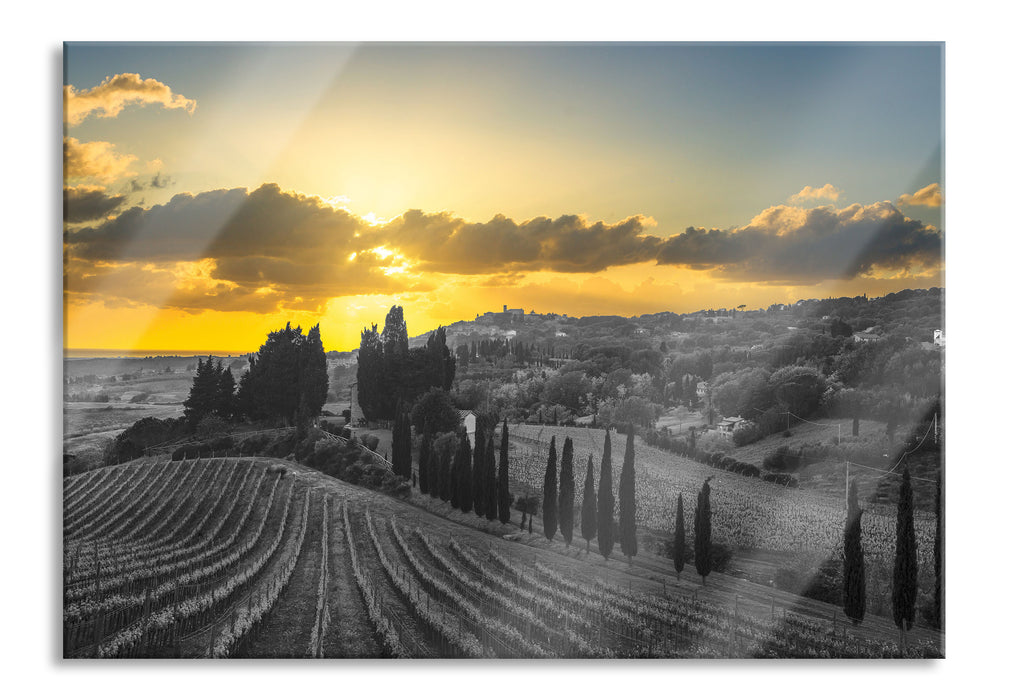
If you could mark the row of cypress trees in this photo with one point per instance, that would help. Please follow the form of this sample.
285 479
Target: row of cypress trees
469 479
904 590
702 535
596 510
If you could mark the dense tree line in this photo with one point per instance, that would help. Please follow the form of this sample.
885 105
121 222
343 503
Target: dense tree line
286 382
389 371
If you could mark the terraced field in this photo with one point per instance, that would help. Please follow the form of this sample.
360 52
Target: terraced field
263 558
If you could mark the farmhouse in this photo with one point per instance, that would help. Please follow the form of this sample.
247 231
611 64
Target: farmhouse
866 337
727 425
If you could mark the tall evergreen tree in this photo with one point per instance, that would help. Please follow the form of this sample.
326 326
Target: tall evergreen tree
313 378
395 339
605 498
370 374
402 459
490 478
938 552
463 467
503 492
702 532
679 539
227 400
424 464
588 507
479 453
628 505
905 564
566 495
550 493
446 483
854 560
203 394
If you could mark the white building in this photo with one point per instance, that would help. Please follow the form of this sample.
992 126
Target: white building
727 425
469 421
939 337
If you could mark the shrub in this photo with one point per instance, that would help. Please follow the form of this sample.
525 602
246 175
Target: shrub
781 460
745 434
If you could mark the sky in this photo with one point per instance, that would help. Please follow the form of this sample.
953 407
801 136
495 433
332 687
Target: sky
213 192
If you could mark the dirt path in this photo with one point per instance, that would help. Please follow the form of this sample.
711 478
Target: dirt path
287 630
350 634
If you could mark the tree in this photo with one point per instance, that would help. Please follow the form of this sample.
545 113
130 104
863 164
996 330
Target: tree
550 493
905 563
566 497
395 339
679 538
503 493
702 532
313 379
226 400
203 394
462 467
605 519
854 560
588 507
402 459
286 381
370 379
479 453
434 413
938 552
446 484
628 507
424 464
490 479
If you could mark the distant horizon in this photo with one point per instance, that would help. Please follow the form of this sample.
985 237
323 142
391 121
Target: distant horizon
112 353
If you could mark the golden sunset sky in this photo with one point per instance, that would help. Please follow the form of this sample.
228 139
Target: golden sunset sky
214 192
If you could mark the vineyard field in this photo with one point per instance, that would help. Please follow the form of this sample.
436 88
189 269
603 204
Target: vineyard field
263 558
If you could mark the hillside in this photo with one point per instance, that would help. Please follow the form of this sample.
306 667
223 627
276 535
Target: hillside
267 558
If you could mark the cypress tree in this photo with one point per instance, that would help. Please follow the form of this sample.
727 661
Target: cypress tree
402 460
938 553
854 560
588 507
446 485
605 520
905 563
464 470
679 538
628 507
424 463
550 493
503 494
490 479
702 532
479 452
456 462
566 497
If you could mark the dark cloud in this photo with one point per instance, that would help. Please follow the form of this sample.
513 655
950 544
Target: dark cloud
87 203
565 244
158 182
223 224
270 249
793 245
